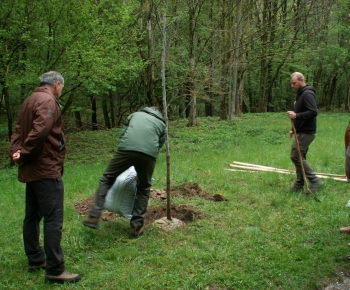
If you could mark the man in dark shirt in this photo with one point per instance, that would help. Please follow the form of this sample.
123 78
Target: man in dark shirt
304 119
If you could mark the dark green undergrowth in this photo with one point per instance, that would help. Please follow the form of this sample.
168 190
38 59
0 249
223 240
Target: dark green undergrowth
263 237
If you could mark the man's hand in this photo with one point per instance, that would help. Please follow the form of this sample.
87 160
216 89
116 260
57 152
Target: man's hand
290 134
292 115
16 156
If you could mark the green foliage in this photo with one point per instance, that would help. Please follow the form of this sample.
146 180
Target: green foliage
113 49
263 237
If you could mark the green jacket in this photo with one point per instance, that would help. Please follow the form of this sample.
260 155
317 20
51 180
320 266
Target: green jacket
144 131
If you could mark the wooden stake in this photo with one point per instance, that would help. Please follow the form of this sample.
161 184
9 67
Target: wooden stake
277 170
261 166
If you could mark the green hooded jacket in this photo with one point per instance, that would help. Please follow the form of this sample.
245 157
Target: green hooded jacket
144 131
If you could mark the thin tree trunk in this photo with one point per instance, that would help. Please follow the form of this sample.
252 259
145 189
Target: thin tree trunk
111 105
191 77
6 98
168 180
150 67
224 64
331 92
105 113
146 12
262 104
69 101
236 63
94 113
78 121
232 78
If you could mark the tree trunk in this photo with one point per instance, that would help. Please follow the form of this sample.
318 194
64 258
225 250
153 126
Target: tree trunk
209 109
6 97
148 59
94 113
78 121
234 100
191 74
69 101
262 104
331 92
165 106
224 65
150 67
111 105
105 113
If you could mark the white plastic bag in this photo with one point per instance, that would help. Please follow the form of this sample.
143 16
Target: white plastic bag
121 196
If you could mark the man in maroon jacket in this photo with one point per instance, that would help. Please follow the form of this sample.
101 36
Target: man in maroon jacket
38 148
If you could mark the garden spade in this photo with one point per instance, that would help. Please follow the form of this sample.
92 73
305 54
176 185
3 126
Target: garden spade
302 163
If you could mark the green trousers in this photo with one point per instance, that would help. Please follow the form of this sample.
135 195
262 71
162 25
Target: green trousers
122 160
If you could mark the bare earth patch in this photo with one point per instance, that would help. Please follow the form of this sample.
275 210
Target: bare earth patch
184 213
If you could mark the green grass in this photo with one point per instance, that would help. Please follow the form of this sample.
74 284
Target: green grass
263 237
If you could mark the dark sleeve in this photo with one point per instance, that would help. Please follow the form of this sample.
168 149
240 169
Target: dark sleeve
310 106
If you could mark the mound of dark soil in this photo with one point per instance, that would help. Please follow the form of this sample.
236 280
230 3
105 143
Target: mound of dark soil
194 189
184 213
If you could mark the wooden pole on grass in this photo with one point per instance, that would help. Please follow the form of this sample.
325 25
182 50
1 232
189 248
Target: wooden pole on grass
251 165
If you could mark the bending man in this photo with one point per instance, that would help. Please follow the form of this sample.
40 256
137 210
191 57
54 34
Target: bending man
143 135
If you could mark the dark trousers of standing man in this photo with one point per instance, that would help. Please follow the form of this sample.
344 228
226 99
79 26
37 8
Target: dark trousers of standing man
44 199
122 160
347 163
304 143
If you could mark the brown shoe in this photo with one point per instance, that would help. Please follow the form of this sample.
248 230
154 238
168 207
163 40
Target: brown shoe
134 234
37 267
345 230
91 222
65 277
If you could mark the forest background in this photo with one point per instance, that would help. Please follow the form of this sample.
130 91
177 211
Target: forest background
222 58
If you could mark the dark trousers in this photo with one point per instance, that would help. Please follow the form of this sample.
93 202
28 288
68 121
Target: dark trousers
304 142
122 160
44 199
347 162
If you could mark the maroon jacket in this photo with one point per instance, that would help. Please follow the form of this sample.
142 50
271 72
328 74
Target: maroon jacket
40 136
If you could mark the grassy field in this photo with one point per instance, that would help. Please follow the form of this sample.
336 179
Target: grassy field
263 237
